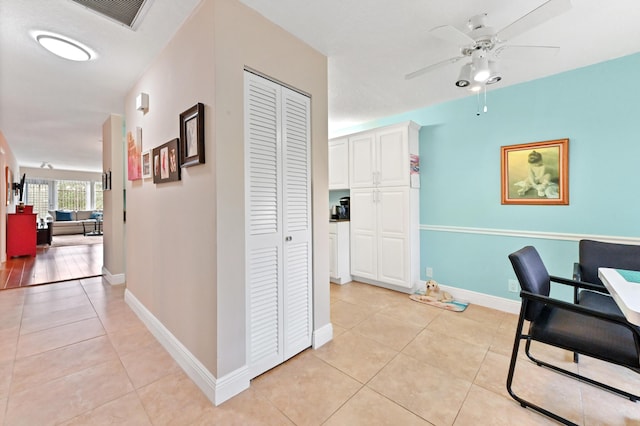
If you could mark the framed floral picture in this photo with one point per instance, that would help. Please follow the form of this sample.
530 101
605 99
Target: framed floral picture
165 162
535 173
192 136
146 164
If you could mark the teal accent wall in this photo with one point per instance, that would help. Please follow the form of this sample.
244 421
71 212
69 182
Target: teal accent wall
596 107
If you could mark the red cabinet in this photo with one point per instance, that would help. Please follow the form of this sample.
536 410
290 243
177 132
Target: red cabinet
21 234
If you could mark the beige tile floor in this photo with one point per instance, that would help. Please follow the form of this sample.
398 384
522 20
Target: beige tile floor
74 354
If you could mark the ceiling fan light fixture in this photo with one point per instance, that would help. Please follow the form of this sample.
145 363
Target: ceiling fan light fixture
64 47
464 79
494 73
481 68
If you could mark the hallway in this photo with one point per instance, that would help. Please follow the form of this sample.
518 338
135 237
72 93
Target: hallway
52 264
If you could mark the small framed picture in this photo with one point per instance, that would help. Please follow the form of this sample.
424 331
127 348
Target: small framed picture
146 164
192 136
165 162
536 173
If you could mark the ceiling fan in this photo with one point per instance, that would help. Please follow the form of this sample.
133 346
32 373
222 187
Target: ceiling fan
484 46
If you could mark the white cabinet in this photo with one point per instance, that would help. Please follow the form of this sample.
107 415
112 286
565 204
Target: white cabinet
278 223
381 158
385 247
381 235
339 164
339 259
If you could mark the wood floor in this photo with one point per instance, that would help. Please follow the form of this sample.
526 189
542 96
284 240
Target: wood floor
52 264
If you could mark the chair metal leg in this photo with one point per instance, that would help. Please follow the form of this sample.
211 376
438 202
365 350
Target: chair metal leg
512 366
580 377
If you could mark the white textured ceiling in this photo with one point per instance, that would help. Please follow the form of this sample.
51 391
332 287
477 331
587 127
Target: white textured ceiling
52 110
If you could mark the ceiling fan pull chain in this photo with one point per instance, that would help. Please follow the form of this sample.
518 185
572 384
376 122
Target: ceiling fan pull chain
485 99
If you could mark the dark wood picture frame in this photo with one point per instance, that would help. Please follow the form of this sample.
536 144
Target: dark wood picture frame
192 136
535 173
165 162
106 181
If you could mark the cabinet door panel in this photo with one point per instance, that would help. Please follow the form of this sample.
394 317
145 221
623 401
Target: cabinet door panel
339 164
393 240
392 260
363 255
333 256
392 157
363 233
361 160
393 210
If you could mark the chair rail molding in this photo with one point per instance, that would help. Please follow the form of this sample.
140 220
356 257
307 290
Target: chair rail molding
531 234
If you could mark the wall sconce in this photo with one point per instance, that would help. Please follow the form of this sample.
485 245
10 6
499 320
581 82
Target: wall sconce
142 102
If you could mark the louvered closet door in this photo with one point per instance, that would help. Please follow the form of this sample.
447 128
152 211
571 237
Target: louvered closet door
278 223
297 222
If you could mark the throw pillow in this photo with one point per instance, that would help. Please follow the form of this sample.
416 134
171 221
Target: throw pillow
63 216
96 215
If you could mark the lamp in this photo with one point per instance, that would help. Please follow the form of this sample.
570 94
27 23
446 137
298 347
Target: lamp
494 73
480 66
464 79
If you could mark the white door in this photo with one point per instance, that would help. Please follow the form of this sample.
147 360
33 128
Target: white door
393 235
296 147
339 164
363 233
333 256
278 237
362 160
392 154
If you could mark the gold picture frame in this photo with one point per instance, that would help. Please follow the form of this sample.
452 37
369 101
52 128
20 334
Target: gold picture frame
535 173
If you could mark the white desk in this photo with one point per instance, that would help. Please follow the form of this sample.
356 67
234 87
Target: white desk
625 293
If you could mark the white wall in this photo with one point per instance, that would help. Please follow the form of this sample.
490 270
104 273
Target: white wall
113 220
185 239
7 159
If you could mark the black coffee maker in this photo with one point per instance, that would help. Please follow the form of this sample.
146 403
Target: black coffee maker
344 210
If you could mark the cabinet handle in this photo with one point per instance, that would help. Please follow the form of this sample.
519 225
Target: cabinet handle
288 238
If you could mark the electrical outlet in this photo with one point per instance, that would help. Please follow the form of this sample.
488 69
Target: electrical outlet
429 271
513 286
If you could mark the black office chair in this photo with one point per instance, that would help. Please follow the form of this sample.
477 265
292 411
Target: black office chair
598 254
569 326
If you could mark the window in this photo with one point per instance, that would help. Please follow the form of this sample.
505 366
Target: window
98 196
72 195
38 196
47 194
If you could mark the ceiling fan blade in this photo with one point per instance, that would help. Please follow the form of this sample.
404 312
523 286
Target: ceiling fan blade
526 52
452 35
433 67
534 18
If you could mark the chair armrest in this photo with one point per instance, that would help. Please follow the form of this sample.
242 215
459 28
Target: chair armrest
576 284
577 276
561 304
577 272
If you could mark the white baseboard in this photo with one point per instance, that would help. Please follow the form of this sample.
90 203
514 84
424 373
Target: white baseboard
322 335
486 300
116 279
217 390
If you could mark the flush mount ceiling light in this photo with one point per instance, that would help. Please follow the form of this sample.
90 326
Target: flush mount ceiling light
64 47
